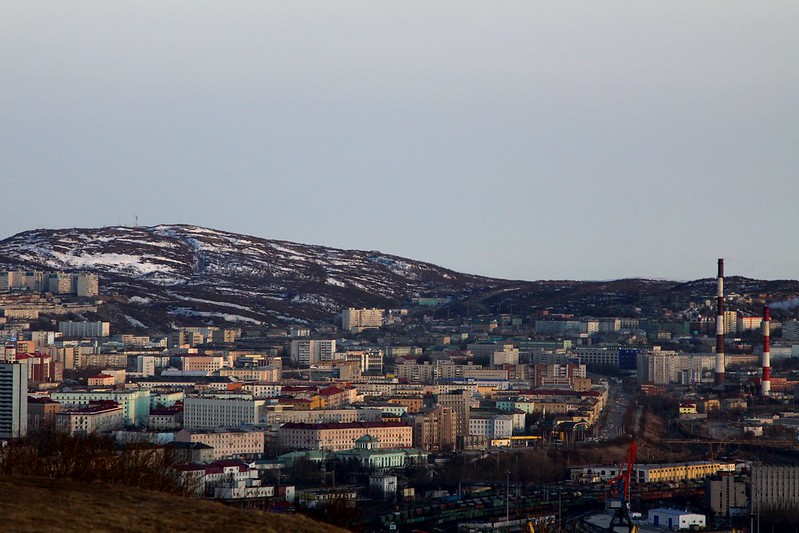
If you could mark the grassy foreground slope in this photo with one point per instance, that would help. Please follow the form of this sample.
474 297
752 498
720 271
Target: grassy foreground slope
43 504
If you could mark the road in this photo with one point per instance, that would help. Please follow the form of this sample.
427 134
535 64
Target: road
618 402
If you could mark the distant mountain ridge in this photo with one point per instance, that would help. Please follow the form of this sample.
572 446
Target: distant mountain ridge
190 271
162 275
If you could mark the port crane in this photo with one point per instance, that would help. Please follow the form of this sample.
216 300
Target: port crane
621 503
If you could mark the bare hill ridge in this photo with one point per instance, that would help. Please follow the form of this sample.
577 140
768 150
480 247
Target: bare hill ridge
183 274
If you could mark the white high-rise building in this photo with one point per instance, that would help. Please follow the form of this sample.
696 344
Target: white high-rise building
209 412
357 320
307 352
13 400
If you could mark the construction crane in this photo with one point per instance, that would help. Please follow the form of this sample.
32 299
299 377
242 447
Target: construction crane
621 503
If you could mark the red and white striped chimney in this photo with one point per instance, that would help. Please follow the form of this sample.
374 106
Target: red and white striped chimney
719 375
766 383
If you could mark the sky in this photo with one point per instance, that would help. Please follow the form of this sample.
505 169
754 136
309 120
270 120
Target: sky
513 139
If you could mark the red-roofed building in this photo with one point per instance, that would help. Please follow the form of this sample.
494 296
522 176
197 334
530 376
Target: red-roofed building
41 412
41 367
166 418
101 380
97 416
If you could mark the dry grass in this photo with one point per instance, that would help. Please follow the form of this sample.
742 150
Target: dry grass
44 505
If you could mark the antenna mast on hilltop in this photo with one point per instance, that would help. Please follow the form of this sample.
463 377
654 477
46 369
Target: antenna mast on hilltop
135 221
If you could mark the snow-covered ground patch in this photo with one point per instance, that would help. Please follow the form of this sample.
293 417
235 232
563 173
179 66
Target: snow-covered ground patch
133 322
184 311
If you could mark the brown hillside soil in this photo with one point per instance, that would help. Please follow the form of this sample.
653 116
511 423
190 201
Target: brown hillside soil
44 505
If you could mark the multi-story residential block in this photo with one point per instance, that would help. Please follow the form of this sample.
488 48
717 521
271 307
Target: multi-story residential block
165 418
371 362
201 363
358 320
135 403
41 412
558 374
725 494
227 442
662 367
508 355
59 283
262 389
260 373
490 425
336 437
598 355
486 350
277 415
557 328
101 380
85 285
790 330
96 417
307 352
436 429
41 367
222 410
72 329
145 365
460 402
206 478
13 400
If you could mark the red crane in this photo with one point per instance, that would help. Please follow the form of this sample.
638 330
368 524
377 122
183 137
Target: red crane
621 504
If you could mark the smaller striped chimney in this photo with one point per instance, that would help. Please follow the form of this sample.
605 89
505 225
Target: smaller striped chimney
766 383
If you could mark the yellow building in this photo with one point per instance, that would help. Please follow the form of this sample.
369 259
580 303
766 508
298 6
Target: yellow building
680 471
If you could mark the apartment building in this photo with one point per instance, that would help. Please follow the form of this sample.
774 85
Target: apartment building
201 363
662 367
436 429
135 403
72 329
357 320
13 400
41 412
260 373
96 417
460 402
227 442
725 494
337 437
223 410
490 425
262 389
275 415
598 355
558 374
307 352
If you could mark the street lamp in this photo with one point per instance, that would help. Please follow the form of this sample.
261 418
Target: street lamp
507 496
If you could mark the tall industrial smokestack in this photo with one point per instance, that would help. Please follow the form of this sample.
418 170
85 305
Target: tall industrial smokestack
766 383
719 375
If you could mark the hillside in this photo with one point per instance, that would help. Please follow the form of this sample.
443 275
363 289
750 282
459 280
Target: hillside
185 273
159 276
44 505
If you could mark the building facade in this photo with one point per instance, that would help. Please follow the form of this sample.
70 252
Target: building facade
13 400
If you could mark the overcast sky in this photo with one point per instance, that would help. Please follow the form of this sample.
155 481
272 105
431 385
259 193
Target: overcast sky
525 140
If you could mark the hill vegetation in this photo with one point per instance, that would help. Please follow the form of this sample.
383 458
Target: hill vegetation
36 504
